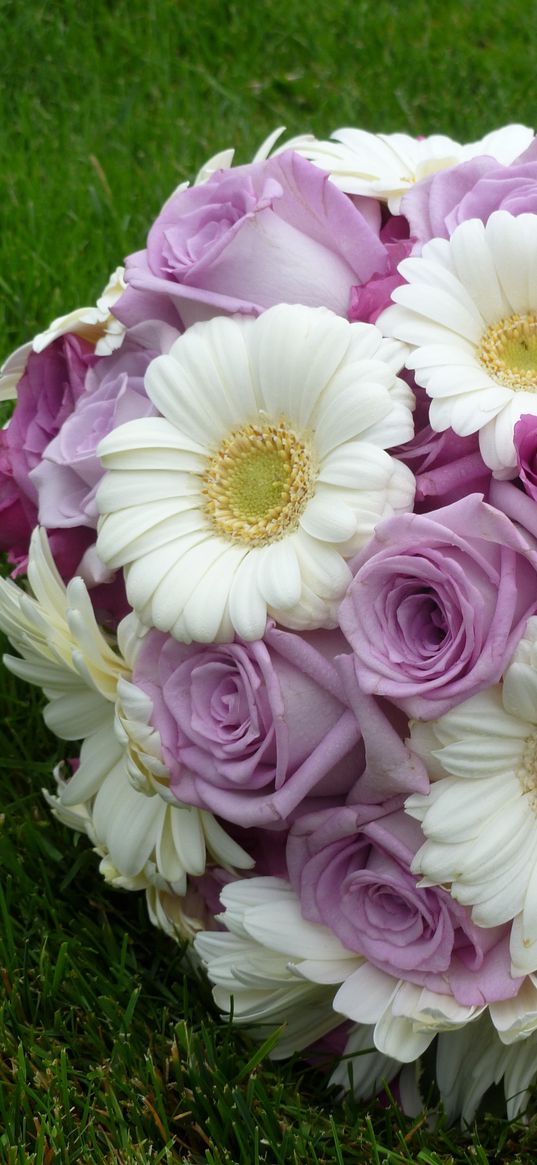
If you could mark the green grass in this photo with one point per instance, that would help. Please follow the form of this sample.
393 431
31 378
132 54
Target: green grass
109 1050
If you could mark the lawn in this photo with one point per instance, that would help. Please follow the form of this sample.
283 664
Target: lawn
110 1048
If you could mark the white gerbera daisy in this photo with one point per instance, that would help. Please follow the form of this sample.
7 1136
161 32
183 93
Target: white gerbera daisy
61 647
12 371
271 967
95 324
469 309
407 1017
266 470
143 840
480 819
384 166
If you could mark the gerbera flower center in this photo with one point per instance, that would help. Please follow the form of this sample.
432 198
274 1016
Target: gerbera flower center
258 484
508 351
527 771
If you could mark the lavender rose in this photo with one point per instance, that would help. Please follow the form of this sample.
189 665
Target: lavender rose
477 188
69 472
270 232
437 605
249 730
351 870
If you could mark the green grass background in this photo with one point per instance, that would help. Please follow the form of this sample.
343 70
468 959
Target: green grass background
108 1051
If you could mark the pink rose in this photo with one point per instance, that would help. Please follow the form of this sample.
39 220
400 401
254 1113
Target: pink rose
250 730
270 232
437 605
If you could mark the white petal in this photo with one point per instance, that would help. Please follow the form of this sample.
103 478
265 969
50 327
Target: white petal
513 242
355 465
77 713
247 607
364 996
328 517
350 413
222 847
148 437
311 344
396 1037
282 928
150 571
206 609
204 384
128 822
325 570
140 530
98 755
188 838
279 578
458 315
474 263
182 580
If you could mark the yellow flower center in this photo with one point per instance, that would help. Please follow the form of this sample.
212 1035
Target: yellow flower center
258 484
527 771
508 351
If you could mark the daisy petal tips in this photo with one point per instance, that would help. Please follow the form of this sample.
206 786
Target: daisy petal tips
265 471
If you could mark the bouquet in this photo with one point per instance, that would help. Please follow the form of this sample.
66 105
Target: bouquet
270 515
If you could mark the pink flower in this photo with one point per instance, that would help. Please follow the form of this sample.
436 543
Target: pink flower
250 730
437 605
351 870
525 436
271 232
47 393
447 467
369 299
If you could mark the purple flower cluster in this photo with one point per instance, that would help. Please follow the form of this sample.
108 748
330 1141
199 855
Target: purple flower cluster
298 742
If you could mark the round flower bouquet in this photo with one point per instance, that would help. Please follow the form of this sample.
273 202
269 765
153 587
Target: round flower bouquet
270 513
